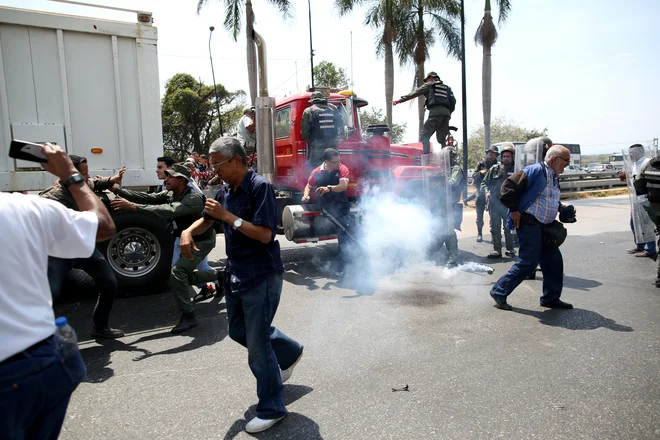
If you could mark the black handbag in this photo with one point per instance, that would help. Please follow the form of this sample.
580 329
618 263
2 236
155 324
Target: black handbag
553 234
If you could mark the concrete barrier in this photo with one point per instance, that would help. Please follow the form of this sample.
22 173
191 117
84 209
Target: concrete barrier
588 181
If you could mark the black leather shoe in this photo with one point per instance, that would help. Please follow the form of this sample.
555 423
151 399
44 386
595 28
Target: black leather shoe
657 282
559 304
500 303
107 333
531 276
186 323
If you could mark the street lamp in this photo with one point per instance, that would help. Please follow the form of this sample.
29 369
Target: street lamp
464 97
215 89
311 51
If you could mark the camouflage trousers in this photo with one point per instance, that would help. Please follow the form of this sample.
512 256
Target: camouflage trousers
497 213
434 124
316 150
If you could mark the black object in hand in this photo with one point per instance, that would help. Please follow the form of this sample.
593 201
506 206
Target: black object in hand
567 214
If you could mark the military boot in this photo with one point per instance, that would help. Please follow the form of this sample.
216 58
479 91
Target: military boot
452 251
186 323
497 253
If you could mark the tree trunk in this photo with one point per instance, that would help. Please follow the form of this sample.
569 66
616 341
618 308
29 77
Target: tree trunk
389 81
389 69
486 80
420 99
251 51
420 56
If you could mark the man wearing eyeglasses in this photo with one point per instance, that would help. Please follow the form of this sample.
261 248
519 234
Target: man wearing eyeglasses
329 182
532 197
247 208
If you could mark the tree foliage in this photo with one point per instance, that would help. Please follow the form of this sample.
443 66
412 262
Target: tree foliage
375 116
501 130
190 117
420 25
235 9
326 74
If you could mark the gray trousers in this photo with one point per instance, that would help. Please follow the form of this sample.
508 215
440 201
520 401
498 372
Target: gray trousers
497 213
434 124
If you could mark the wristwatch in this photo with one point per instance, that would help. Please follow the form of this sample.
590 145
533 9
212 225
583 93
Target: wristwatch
330 187
76 178
238 223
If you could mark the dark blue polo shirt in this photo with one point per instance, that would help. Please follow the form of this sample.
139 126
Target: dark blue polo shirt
250 261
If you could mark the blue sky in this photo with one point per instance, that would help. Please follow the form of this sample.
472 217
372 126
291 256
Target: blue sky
587 70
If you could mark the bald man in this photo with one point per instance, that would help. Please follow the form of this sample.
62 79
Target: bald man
532 197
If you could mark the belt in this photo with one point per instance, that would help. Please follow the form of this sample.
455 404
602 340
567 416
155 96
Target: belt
21 354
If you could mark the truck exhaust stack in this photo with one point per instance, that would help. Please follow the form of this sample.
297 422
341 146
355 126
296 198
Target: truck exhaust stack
265 110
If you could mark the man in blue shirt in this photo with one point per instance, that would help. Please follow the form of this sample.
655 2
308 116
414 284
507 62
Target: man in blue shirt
246 206
532 196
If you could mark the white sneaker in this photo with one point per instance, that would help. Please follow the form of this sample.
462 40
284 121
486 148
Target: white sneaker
260 425
286 374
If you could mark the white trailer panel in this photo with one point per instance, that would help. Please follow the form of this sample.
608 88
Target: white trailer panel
88 82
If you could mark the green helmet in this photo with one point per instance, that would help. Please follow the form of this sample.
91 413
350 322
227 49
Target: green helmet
179 170
493 149
317 97
431 74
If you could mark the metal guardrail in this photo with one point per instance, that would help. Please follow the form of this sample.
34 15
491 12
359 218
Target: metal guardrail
588 181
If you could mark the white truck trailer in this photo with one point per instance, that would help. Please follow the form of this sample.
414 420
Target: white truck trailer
91 86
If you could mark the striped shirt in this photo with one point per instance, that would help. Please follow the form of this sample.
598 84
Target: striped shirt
546 206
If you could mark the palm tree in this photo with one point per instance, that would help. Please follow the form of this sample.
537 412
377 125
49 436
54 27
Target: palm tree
486 36
232 23
380 13
415 38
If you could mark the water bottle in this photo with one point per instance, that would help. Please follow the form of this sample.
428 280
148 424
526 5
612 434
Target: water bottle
66 339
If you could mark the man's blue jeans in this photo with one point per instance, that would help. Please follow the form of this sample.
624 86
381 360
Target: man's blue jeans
101 272
35 391
531 253
250 315
650 246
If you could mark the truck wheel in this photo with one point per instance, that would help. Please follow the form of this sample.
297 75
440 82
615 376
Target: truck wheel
140 253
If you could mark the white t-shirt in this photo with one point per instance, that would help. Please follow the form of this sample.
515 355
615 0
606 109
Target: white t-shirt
243 134
31 229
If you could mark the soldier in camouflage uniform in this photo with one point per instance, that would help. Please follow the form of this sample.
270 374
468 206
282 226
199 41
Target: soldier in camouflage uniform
447 209
440 102
491 185
181 207
479 173
647 181
320 126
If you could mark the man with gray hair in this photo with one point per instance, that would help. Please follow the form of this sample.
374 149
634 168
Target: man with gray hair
247 130
247 208
532 197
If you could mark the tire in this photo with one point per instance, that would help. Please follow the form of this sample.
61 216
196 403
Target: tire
140 253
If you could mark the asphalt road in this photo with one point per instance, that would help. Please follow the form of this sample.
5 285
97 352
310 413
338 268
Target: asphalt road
473 371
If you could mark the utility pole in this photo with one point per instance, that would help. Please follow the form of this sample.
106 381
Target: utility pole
215 89
464 99
311 50
352 59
